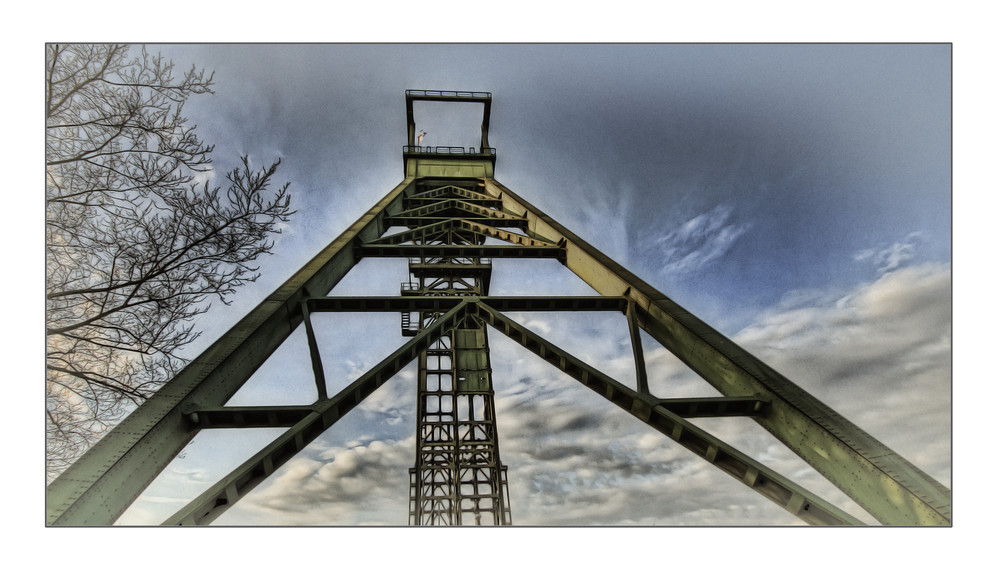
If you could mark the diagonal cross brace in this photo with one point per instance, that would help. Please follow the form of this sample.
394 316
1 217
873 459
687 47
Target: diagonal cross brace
451 191
220 497
457 204
436 228
795 499
417 233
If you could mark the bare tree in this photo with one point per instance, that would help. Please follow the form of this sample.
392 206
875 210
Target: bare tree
134 246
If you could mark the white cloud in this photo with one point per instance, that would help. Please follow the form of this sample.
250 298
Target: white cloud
880 355
701 240
892 256
361 485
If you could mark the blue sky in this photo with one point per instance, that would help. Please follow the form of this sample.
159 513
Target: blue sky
795 197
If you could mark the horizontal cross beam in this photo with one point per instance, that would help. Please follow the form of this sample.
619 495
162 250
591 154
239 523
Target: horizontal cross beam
445 303
249 416
470 197
714 407
443 190
495 251
499 222
456 204
444 225
461 96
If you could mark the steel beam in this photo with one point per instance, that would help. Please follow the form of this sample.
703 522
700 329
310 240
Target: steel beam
498 222
714 407
495 251
417 233
248 416
416 303
437 228
381 304
413 95
511 237
425 211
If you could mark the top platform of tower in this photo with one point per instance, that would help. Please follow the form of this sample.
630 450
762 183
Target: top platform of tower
413 151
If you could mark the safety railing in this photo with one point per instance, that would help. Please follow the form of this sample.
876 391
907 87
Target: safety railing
425 93
452 150
430 261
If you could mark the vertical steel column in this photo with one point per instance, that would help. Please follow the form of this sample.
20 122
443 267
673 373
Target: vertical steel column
433 489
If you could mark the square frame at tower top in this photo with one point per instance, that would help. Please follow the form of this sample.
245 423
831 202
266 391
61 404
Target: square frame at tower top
413 95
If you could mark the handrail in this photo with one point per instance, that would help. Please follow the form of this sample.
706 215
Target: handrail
471 261
448 150
426 93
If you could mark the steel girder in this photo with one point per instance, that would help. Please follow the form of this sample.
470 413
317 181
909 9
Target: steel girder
457 476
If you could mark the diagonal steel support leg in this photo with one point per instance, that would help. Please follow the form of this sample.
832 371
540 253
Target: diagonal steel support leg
216 500
795 499
877 478
101 485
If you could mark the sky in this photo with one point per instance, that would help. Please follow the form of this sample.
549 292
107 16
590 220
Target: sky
796 197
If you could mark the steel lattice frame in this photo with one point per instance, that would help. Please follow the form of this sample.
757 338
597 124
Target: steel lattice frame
452 192
457 477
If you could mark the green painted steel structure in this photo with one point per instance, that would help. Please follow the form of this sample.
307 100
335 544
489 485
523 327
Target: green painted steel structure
98 488
457 477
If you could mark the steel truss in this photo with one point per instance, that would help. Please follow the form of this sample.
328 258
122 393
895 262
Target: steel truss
449 204
457 477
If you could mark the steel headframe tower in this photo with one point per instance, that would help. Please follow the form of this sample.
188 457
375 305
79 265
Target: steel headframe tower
444 211
458 477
